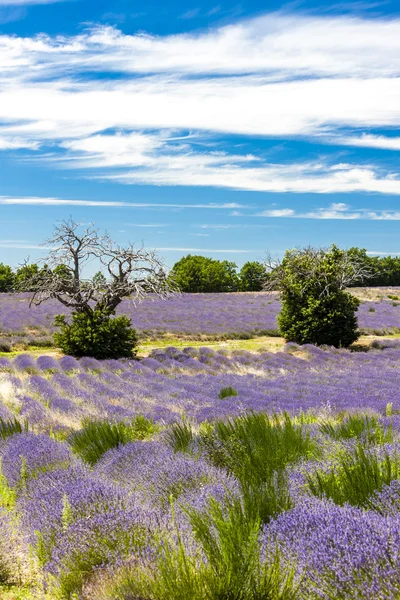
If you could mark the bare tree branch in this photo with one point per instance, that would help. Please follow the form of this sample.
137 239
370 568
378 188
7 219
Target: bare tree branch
128 271
307 264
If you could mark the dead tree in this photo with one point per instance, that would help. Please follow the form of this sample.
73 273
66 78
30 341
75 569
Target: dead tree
129 271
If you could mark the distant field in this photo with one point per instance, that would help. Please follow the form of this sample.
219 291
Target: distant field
196 316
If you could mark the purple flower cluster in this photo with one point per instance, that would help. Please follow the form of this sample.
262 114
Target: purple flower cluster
343 552
25 455
152 467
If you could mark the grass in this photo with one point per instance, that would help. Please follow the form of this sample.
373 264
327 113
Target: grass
225 565
227 392
10 427
180 436
358 475
362 427
256 445
15 593
96 437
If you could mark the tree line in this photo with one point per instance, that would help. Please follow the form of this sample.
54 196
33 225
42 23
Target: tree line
200 274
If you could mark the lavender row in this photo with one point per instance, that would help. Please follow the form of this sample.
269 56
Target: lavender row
191 314
53 393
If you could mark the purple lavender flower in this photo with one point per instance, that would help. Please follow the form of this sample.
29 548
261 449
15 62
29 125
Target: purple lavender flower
26 454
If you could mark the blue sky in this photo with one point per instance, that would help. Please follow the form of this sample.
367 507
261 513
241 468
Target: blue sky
218 128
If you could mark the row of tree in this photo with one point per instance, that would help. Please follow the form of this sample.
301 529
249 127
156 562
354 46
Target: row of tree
200 274
196 274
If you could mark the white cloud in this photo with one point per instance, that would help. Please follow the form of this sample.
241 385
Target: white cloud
39 201
334 211
280 45
283 76
382 253
370 141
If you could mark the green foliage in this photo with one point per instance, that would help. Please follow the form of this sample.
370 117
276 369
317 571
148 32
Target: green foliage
201 274
96 437
180 436
26 273
252 276
83 559
6 278
96 334
226 392
254 446
315 308
256 449
357 476
10 427
364 427
226 566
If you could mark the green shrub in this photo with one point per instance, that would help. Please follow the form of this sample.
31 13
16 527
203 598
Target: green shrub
362 427
357 476
96 437
371 309
10 427
226 565
252 447
180 436
226 392
256 449
96 334
316 309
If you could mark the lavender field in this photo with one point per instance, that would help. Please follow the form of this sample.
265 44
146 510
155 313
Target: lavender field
184 498
194 315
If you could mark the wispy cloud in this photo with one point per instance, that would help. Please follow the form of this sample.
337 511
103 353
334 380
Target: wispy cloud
318 76
190 14
39 201
370 141
149 225
333 211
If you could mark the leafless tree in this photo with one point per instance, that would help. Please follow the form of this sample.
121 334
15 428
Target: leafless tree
129 271
309 264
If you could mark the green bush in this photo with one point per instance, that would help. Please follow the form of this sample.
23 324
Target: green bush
226 565
315 307
359 426
10 427
226 392
180 436
357 476
96 437
96 334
